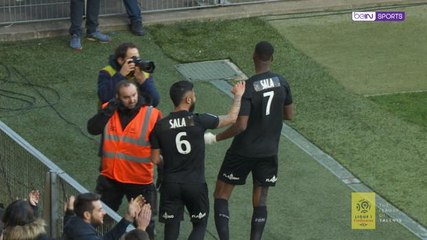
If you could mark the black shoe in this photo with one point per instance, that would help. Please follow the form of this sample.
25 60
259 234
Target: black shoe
137 29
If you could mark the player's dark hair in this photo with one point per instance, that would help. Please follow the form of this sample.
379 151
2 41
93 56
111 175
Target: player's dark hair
84 202
264 50
178 91
122 49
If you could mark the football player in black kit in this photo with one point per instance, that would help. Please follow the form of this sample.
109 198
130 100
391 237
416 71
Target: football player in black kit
267 101
177 143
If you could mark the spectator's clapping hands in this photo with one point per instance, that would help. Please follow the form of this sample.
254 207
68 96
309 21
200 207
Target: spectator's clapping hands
144 217
69 205
34 197
135 206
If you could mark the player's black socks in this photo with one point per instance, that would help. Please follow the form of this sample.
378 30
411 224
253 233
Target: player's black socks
221 218
172 230
259 218
199 229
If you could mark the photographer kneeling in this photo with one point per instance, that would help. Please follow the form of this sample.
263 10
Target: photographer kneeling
126 63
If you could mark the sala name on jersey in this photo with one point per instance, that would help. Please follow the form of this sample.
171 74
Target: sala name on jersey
266 83
177 122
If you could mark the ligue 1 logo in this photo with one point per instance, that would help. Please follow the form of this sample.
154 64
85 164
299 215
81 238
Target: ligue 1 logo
363 211
378 16
363 206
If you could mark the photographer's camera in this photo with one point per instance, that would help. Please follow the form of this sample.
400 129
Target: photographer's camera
146 66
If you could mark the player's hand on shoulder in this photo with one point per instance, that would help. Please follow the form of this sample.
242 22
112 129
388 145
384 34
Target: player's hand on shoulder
239 88
210 138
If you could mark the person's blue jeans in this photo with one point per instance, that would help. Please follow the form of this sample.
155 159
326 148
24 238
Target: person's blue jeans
133 10
76 16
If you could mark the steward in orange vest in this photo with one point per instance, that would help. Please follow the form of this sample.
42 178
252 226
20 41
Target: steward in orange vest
126 170
126 153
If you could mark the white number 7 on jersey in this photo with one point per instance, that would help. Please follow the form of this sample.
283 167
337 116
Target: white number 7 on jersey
180 143
270 96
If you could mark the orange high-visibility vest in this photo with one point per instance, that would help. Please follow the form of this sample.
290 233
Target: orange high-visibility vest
126 153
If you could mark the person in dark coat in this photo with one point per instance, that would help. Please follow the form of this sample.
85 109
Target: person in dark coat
89 214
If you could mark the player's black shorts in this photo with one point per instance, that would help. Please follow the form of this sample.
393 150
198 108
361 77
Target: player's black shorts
236 168
174 196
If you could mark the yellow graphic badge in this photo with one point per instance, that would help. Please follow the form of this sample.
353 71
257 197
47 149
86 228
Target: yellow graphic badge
363 210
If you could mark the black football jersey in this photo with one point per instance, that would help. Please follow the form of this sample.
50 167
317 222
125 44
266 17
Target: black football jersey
265 96
179 136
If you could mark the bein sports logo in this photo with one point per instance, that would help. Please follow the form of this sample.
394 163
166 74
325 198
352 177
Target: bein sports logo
363 16
378 16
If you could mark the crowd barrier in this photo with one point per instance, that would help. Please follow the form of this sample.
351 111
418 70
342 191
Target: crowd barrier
21 11
23 168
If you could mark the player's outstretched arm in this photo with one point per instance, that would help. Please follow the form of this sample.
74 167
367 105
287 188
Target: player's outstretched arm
231 117
233 130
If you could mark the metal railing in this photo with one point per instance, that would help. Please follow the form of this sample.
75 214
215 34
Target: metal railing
23 168
20 11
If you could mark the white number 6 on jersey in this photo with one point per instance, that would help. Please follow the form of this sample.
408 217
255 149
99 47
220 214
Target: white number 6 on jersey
182 145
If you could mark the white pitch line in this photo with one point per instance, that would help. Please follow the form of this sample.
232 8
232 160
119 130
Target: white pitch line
392 93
